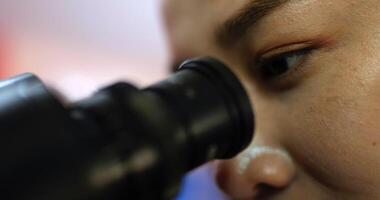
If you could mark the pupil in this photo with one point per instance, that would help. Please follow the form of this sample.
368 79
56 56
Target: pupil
277 67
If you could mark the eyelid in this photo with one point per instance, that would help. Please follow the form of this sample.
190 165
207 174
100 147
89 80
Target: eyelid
284 49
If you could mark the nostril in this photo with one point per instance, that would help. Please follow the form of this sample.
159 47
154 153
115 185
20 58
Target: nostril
265 191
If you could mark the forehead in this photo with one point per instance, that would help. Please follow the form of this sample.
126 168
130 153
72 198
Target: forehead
192 24
204 7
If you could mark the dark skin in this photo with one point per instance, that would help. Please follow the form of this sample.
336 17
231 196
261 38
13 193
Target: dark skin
312 70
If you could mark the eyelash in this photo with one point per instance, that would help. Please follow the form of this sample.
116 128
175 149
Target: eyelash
272 68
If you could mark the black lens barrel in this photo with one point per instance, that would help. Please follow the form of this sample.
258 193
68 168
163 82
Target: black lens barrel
212 106
122 142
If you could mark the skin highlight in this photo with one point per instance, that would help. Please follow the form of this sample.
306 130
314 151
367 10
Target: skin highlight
253 153
321 111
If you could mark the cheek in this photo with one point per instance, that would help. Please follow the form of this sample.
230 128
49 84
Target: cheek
337 136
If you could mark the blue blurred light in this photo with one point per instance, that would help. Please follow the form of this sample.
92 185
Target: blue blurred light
200 185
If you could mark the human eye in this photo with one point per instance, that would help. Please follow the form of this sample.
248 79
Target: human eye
280 68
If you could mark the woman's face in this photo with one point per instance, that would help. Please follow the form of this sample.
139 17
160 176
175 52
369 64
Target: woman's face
312 69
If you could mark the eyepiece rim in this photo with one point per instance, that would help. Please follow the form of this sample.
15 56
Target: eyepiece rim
221 74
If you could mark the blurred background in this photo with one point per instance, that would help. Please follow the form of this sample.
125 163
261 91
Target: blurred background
77 46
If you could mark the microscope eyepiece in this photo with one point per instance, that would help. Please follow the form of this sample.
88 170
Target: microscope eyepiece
122 142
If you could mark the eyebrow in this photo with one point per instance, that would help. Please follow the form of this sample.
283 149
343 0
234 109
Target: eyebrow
237 26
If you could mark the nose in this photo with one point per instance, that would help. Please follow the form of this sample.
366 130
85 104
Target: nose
257 172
